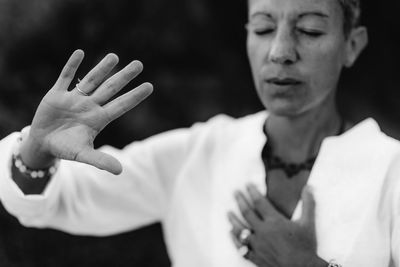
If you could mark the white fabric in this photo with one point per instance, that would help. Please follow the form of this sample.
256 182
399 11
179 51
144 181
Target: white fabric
186 178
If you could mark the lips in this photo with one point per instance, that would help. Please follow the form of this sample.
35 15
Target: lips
284 81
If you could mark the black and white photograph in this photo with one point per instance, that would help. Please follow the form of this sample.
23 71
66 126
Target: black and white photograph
199 133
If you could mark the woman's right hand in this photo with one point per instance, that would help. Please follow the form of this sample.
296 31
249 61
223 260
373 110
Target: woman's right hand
67 122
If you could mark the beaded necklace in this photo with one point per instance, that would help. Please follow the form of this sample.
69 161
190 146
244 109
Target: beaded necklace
291 169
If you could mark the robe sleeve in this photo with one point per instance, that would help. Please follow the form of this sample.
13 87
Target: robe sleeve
394 194
81 199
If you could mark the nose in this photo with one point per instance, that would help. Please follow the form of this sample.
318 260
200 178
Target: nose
283 50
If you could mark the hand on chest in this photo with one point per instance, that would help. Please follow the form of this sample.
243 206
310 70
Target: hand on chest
285 192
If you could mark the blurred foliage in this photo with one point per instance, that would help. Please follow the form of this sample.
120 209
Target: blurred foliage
193 51
194 57
29 247
194 54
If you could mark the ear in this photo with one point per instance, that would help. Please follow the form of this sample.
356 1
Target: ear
356 42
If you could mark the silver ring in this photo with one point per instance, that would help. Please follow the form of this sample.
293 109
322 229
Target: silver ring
244 236
79 90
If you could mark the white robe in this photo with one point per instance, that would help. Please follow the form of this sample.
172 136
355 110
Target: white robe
186 179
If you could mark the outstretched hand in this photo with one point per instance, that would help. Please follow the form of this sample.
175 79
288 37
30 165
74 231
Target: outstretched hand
67 122
275 240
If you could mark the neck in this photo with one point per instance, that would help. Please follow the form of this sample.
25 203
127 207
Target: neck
298 138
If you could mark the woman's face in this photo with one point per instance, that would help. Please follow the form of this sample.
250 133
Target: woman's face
296 49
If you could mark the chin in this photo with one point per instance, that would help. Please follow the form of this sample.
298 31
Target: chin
285 108
282 112
288 102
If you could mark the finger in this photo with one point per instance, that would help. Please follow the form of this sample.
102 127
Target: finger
114 84
246 210
249 255
237 224
261 204
308 209
100 160
97 75
68 72
127 101
235 240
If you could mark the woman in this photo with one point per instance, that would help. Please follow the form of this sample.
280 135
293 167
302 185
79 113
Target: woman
192 179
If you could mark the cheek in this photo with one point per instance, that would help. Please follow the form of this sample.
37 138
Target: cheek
255 53
324 63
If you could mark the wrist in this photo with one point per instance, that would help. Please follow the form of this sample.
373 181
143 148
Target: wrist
31 180
318 262
32 153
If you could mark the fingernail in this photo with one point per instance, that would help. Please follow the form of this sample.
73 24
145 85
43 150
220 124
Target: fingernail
111 58
251 185
253 189
308 189
136 64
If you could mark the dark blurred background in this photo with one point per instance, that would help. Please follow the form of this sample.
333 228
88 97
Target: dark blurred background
194 54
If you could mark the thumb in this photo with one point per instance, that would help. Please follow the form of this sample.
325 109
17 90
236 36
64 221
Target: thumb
308 214
100 160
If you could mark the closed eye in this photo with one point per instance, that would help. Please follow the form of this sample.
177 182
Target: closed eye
263 31
259 28
311 33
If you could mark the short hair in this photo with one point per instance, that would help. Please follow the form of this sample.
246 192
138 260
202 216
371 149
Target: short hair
351 14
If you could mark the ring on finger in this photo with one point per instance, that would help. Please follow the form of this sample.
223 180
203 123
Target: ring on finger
79 89
244 236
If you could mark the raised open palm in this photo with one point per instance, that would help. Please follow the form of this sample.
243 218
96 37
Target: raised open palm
67 122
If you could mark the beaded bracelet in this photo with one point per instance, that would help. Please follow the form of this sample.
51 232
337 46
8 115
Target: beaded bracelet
25 170
332 263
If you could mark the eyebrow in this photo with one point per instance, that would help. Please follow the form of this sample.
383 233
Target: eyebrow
313 13
302 15
258 13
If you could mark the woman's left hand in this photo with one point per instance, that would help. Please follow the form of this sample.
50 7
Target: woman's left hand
274 240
